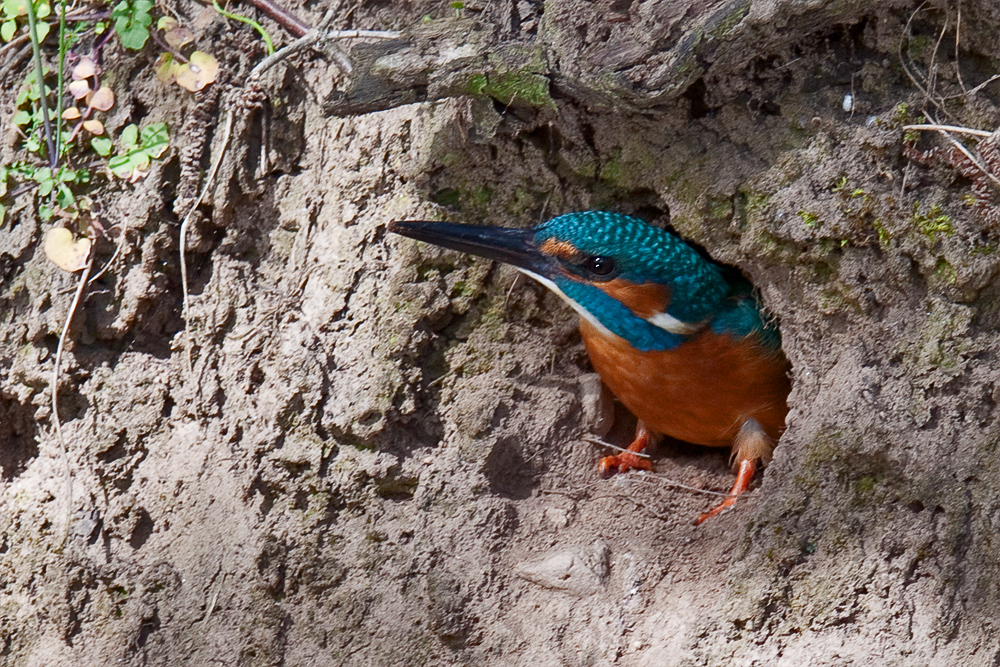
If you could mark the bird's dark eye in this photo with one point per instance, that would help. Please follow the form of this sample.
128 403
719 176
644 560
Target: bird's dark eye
601 266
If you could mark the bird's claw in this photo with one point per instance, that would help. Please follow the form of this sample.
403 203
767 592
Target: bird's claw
610 465
743 479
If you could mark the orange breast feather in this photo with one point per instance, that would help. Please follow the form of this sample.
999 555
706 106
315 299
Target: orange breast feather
701 391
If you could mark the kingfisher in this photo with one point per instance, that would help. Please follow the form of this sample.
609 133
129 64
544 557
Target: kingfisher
683 342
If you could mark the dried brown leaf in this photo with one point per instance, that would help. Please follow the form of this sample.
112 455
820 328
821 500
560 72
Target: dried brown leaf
103 99
178 37
68 253
166 68
85 68
79 88
199 72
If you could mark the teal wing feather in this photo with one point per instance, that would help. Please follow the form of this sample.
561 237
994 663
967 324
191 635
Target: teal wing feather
744 316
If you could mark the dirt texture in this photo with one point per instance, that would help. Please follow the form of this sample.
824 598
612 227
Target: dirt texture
381 452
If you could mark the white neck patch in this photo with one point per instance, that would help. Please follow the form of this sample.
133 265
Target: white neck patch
577 307
670 323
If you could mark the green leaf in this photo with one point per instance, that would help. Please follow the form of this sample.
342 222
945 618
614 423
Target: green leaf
129 137
45 213
132 21
3 214
7 30
141 15
132 36
64 197
42 10
155 139
120 166
15 7
138 149
44 188
43 174
102 145
32 144
22 117
43 30
120 10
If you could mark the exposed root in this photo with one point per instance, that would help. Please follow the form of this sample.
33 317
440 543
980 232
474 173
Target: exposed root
63 450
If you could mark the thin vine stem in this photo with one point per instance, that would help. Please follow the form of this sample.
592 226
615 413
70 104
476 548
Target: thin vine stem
250 22
61 81
36 48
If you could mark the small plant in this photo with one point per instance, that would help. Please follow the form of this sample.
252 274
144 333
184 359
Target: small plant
882 233
137 149
51 135
933 222
810 220
132 21
850 204
13 17
193 72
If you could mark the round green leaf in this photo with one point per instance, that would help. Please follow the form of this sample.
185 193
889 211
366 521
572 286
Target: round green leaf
7 30
155 139
64 196
139 161
101 145
133 37
120 166
129 137
15 7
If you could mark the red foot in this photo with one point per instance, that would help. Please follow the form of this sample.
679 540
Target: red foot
629 459
743 478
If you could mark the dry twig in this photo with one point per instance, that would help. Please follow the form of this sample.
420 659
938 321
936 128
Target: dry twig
81 285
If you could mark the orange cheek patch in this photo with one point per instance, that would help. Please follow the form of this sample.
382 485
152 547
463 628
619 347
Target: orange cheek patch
559 248
645 300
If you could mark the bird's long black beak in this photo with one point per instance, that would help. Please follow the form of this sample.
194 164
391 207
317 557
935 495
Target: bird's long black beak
511 246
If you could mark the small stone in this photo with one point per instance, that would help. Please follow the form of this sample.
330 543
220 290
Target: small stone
580 571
